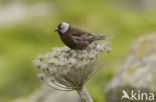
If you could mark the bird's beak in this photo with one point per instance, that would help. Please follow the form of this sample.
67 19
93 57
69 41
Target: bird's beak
56 30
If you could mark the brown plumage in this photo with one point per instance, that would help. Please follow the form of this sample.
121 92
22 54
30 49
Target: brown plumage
75 38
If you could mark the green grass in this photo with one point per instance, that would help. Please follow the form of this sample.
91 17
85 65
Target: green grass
21 43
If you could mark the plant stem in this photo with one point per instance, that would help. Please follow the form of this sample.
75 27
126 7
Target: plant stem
83 93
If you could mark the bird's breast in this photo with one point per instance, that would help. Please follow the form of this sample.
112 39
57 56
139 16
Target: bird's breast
67 40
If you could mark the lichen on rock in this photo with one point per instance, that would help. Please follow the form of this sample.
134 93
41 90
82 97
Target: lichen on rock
138 72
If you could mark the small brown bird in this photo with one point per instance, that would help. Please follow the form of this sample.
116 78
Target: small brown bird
75 38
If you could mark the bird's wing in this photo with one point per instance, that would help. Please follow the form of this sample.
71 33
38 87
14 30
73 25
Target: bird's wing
87 36
83 37
76 38
82 40
76 31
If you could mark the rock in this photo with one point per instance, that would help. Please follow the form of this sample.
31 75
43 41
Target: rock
138 75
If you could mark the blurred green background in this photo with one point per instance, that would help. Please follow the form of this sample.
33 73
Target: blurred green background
26 30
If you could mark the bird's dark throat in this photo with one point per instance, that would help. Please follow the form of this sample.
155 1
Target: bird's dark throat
60 33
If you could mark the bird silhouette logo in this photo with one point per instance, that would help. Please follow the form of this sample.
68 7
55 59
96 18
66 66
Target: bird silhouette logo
125 95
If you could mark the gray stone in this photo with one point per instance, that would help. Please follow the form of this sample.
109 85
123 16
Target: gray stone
138 73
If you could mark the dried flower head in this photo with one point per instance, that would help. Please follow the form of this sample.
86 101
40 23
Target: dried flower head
65 69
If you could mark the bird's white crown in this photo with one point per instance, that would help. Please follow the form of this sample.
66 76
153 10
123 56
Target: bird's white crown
64 27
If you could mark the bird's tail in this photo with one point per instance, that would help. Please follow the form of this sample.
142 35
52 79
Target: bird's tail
102 37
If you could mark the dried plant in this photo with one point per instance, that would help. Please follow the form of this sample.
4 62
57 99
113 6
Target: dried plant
68 70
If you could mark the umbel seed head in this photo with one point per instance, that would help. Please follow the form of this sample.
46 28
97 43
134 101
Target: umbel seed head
69 70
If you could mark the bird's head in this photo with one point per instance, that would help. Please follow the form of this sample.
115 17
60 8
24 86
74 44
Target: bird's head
62 28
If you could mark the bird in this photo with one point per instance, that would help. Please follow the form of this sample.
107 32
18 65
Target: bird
75 38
